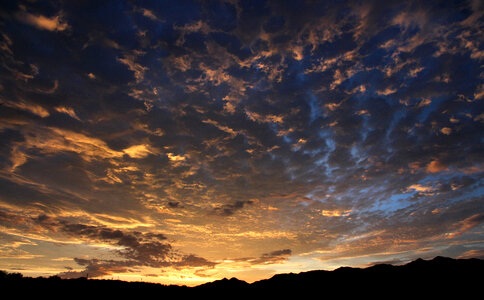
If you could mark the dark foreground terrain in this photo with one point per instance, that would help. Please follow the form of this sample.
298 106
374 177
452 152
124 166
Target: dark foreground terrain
437 277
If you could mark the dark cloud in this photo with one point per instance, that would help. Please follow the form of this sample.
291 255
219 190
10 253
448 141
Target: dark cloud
137 249
230 209
174 204
96 268
277 256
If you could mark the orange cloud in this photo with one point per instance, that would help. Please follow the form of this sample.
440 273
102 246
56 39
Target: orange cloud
332 106
408 19
68 111
138 151
41 22
149 14
300 143
472 253
362 112
479 93
336 213
420 188
221 127
424 102
454 120
138 69
52 140
446 130
27 106
414 72
436 166
414 165
466 225
479 118
471 169
264 118
386 91
176 158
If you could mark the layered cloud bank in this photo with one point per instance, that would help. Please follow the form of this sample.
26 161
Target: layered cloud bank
190 141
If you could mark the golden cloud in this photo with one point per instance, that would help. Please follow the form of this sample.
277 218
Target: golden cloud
421 188
336 213
138 151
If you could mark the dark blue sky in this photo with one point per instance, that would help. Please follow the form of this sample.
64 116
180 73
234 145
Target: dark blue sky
186 141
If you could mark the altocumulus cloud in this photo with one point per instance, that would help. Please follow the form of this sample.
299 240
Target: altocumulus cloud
335 130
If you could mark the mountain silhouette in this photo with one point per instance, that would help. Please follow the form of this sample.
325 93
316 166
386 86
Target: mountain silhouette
433 275
225 283
440 276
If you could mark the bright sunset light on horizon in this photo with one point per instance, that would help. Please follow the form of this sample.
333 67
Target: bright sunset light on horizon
182 142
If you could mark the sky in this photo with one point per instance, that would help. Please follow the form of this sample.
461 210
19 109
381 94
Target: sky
182 142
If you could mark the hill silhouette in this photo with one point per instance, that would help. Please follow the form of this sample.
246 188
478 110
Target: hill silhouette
232 283
439 276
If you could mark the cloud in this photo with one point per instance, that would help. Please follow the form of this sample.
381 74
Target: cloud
386 92
421 188
332 106
138 151
261 118
68 111
176 158
478 253
436 166
136 248
466 225
54 23
54 140
30 107
230 209
446 130
479 118
335 213
273 257
138 69
96 268
149 14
